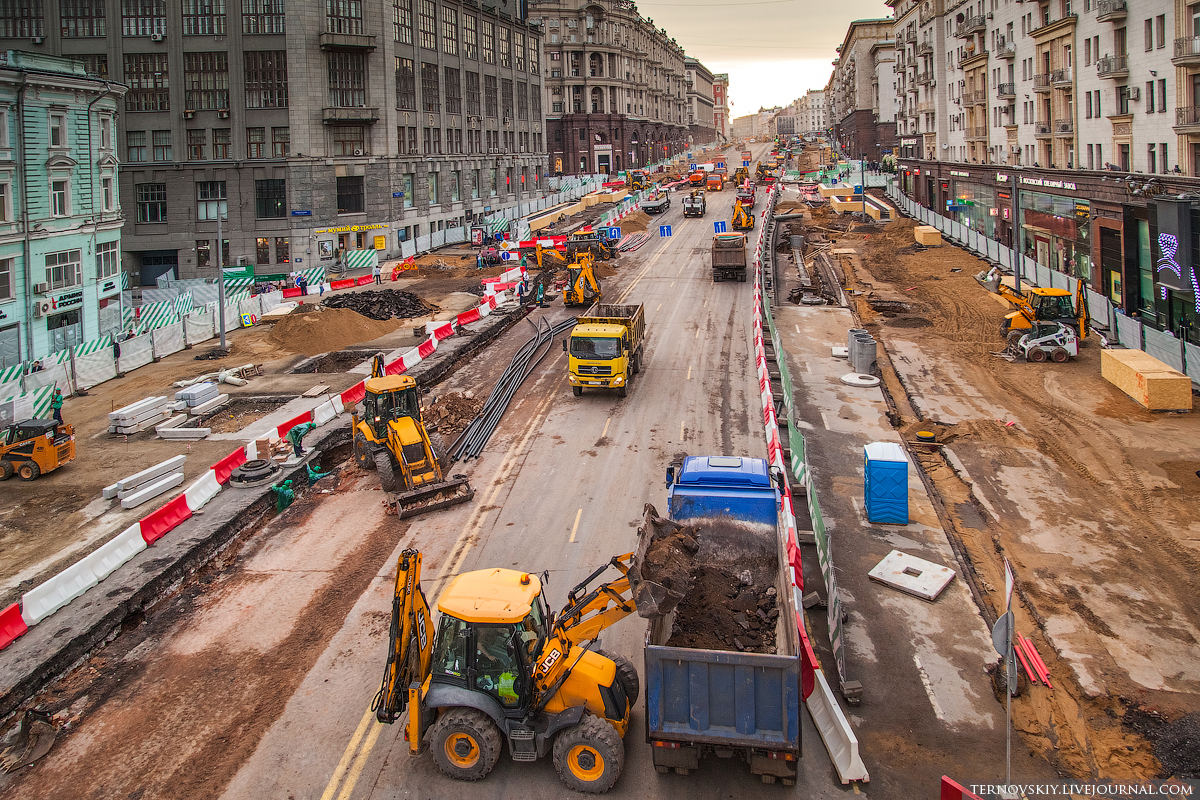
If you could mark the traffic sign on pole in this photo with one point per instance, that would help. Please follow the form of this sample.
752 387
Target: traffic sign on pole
664 231
745 163
719 226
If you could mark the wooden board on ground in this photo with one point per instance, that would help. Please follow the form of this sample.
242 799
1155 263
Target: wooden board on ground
316 391
1147 380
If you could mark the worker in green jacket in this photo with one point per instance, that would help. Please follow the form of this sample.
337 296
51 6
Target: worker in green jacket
56 403
296 437
314 474
284 495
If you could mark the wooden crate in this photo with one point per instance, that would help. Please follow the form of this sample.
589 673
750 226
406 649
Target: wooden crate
927 235
1147 380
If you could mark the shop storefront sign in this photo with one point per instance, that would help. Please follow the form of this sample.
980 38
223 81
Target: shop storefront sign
1174 269
958 174
67 300
352 228
1049 184
1001 177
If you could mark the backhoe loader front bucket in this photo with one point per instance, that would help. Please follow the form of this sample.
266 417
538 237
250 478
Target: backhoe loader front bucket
434 497
661 574
992 284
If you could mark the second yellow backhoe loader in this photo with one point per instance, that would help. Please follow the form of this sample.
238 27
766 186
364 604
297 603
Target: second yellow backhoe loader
742 219
583 287
390 437
502 669
1039 305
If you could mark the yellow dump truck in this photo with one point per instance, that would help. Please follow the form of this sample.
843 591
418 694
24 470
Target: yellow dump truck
605 350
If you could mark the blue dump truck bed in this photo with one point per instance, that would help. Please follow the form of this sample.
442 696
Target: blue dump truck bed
722 700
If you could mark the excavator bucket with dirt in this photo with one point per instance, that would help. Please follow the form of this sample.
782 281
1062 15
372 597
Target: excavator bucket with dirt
663 564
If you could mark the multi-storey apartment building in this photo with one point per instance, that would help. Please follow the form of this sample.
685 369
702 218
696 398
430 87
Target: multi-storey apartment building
744 127
861 94
616 87
313 127
60 214
721 118
701 114
810 113
921 113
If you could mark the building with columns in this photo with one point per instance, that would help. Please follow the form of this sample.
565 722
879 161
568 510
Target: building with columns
700 102
615 87
861 93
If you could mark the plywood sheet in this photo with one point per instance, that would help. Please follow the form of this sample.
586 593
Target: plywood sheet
1147 380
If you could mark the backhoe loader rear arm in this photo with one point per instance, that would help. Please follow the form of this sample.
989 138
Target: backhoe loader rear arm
590 611
411 640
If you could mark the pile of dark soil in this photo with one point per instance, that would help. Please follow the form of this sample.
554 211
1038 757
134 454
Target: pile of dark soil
1176 744
240 413
452 413
382 305
724 611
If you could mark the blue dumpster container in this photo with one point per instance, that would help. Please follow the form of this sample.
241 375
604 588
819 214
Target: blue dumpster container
885 487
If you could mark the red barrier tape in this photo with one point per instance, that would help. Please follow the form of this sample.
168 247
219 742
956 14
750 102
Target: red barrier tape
11 625
155 526
228 464
291 423
363 280
293 291
953 790
345 283
468 317
354 394
425 349
808 659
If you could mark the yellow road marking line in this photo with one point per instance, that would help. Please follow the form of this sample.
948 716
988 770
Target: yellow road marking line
689 377
604 432
697 333
346 756
672 286
659 307
681 430
575 527
360 762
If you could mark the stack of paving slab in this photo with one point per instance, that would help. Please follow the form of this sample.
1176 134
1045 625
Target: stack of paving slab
147 484
202 398
140 416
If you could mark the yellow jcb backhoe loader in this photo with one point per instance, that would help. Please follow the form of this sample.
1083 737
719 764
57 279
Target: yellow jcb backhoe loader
503 669
390 437
1039 305
742 219
583 287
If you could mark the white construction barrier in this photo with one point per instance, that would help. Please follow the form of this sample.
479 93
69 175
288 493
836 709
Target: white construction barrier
338 406
95 368
167 339
42 601
198 327
201 491
116 552
835 731
324 413
136 352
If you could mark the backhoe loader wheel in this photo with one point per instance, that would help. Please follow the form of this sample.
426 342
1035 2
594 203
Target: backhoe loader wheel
465 743
626 674
29 470
589 756
387 475
362 451
6 470
439 450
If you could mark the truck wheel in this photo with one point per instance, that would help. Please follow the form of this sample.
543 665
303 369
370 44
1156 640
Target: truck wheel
387 475
6 470
623 390
626 674
465 743
1059 355
362 451
577 390
589 756
29 470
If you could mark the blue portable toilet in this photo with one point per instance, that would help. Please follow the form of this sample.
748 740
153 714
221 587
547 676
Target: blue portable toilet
885 488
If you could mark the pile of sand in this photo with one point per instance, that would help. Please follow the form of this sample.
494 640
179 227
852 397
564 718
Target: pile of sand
316 332
636 222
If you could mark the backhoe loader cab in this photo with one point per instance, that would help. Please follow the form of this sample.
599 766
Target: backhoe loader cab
503 669
387 398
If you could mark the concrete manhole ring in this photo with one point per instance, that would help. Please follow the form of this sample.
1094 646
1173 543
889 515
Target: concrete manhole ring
858 379
255 472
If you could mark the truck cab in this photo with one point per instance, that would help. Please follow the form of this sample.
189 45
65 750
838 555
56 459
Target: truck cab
604 350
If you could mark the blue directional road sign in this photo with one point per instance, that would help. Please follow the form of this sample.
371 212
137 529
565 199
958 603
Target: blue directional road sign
505 256
719 226
691 167
614 233
745 163
664 231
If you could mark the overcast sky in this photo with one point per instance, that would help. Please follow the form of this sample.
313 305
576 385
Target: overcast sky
773 50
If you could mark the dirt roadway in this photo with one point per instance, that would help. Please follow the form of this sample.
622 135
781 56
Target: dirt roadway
1091 497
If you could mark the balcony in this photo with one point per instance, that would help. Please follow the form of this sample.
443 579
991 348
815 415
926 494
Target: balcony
1062 77
1111 10
976 133
1041 129
910 36
974 98
1187 50
926 107
337 115
973 59
1005 49
1041 83
1006 91
924 78
913 88
1113 67
347 41
1187 117
1064 127
970 26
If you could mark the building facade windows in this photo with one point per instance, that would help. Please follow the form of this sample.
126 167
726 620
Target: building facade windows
106 194
108 262
151 202
222 139
430 96
453 91
64 269
203 17
449 31
146 74
427 23
143 18
349 140
266 79
263 16
6 279
206 81
350 199
406 85
81 18
402 21
256 142
347 80
210 200
197 142
281 141
343 16
60 198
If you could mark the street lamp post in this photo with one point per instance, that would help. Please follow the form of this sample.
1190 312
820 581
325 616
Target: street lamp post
221 277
